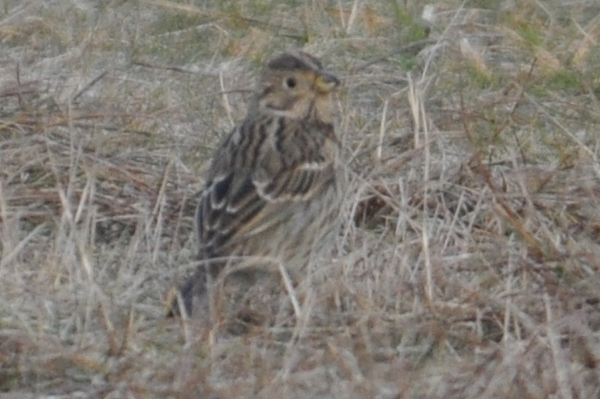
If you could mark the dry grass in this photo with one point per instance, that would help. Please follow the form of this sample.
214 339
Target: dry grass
470 265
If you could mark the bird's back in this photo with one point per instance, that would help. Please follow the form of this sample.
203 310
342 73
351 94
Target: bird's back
274 190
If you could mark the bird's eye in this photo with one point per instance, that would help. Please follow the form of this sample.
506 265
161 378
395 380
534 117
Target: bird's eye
290 83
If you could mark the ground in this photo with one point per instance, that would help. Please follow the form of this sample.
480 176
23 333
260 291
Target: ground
468 264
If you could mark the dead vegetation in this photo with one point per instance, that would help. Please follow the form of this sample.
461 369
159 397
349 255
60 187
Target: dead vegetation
469 266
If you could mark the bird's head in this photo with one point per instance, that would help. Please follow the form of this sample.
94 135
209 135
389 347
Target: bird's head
294 85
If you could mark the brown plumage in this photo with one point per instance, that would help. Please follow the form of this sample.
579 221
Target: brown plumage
274 188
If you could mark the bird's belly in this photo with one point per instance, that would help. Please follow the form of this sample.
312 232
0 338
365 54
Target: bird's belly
303 231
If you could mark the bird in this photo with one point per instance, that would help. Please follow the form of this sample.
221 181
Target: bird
275 186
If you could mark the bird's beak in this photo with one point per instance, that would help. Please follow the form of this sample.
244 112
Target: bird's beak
326 82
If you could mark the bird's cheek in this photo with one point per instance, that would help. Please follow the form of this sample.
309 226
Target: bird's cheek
301 107
276 103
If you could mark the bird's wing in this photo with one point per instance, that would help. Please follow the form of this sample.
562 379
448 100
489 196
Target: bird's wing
243 200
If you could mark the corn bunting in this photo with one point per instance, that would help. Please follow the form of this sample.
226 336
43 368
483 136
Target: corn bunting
274 189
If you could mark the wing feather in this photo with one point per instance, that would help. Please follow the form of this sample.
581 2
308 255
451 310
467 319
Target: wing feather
248 195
